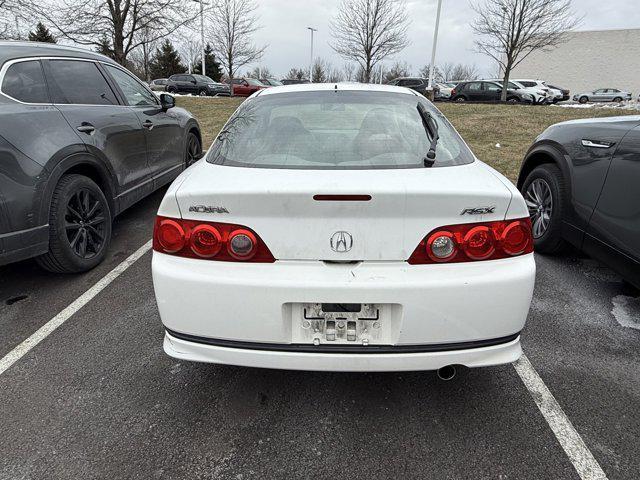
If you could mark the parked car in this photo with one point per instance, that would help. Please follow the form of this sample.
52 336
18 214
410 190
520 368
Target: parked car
537 87
81 140
486 91
418 84
540 94
580 181
444 90
272 82
243 87
328 241
293 81
158 85
565 94
603 95
196 85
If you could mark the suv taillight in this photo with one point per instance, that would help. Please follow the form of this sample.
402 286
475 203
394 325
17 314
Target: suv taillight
474 242
224 242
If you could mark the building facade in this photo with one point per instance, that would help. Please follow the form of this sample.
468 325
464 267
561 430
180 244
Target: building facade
587 61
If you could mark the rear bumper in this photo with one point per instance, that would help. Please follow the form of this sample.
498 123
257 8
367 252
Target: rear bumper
16 246
497 354
429 305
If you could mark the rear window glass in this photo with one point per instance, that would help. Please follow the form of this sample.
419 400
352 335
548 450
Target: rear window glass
24 81
334 130
79 82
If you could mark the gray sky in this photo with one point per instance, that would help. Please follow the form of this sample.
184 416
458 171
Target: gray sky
284 25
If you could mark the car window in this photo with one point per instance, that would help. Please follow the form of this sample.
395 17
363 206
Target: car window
254 82
492 87
528 84
474 87
25 82
413 82
79 82
134 92
334 130
238 81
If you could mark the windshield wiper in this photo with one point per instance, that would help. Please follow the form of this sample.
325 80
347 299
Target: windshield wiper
431 127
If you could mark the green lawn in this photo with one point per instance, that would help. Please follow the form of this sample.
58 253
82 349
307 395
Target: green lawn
514 127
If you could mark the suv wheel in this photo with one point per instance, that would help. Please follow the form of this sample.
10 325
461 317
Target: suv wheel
193 149
544 192
79 226
460 99
513 100
202 93
171 90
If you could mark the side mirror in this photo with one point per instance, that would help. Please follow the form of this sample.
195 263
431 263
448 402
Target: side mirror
167 101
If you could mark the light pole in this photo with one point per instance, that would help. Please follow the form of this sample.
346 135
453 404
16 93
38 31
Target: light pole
311 57
201 2
432 67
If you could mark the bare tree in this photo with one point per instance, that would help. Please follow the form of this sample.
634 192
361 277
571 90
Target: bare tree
461 71
437 73
297 74
233 25
368 31
260 72
12 14
348 72
398 69
510 30
190 48
126 24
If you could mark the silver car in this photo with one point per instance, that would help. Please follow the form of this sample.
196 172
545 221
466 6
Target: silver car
603 95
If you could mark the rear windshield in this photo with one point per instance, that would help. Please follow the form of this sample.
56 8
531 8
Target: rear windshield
334 130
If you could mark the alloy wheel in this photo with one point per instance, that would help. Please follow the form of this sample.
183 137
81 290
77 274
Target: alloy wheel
85 223
539 200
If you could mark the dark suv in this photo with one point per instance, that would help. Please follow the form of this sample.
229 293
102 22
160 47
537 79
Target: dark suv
81 139
418 84
485 91
196 85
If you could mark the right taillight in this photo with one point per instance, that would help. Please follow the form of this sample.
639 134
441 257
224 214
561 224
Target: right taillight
223 242
474 242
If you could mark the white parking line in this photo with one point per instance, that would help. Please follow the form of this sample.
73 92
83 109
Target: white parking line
582 459
43 332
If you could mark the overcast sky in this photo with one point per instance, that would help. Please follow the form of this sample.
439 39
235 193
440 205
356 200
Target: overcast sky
284 25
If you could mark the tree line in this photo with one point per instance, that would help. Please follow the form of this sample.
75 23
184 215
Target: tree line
365 33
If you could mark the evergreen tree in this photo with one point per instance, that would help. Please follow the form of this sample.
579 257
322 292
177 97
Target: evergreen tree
105 47
166 61
211 65
41 34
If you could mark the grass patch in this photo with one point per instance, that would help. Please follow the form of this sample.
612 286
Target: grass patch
514 127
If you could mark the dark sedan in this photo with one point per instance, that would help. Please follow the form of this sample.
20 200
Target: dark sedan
418 84
196 85
81 139
580 181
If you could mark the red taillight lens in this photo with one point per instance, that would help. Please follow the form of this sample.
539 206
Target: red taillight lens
223 242
474 242
205 241
478 243
170 235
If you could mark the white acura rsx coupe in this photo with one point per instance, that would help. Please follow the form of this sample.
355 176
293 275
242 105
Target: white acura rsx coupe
343 228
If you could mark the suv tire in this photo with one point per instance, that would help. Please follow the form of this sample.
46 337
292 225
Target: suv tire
79 226
545 192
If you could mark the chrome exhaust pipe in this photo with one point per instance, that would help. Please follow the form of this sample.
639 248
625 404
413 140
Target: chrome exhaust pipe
447 373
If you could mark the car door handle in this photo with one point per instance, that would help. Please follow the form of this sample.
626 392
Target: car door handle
596 144
148 124
86 128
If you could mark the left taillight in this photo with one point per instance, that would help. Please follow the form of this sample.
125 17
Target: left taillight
475 242
225 242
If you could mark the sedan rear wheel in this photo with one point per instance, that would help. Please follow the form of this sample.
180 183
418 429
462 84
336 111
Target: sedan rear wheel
583 99
617 100
545 195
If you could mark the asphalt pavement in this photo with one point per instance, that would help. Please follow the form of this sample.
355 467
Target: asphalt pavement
98 398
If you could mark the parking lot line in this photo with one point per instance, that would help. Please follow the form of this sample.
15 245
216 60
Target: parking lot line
570 440
43 332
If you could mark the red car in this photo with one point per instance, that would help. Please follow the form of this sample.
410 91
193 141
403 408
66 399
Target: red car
243 87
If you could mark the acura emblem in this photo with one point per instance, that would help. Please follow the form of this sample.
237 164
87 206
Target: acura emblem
341 242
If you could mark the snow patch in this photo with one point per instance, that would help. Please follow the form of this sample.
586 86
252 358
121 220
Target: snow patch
626 311
600 106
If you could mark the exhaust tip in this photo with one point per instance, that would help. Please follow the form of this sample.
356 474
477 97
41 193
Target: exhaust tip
447 373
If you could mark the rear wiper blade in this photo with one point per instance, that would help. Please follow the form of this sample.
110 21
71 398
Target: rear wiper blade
431 126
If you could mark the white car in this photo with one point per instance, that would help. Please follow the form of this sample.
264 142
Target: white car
540 91
342 228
